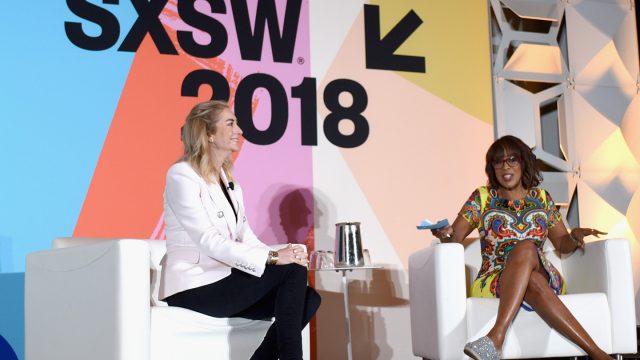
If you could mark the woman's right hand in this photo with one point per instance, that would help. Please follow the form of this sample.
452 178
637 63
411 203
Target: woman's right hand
293 254
577 235
445 234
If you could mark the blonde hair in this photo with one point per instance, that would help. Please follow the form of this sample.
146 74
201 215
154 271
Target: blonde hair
200 123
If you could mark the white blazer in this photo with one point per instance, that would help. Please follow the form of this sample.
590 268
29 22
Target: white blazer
204 240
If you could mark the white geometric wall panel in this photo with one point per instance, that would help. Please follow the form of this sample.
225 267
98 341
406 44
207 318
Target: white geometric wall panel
567 81
602 44
631 129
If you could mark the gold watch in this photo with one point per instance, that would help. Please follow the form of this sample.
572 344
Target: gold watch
272 259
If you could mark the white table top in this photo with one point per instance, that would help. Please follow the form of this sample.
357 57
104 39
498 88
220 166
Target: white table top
343 268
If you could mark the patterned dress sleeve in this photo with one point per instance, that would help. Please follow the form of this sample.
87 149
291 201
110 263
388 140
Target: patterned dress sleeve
553 215
471 209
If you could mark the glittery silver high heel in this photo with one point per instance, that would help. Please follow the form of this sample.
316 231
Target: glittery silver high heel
482 349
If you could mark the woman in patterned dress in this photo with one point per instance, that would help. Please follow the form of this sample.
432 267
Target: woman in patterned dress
514 217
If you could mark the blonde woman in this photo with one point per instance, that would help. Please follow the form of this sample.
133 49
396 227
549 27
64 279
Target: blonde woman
215 264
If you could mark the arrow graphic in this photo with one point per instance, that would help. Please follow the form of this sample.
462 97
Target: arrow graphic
380 52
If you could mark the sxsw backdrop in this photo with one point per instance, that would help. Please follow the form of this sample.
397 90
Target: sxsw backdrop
377 111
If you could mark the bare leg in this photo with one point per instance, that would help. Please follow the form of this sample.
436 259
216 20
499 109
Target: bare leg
522 261
524 279
547 304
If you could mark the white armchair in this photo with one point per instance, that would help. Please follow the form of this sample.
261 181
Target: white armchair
98 299
599 293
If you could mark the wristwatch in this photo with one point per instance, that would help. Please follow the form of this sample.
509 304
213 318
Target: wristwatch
272 259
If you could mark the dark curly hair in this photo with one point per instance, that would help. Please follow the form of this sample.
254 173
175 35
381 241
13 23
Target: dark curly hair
511 145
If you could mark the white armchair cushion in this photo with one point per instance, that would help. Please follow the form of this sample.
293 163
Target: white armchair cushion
591 310
605 267
438 298
202 337
89 302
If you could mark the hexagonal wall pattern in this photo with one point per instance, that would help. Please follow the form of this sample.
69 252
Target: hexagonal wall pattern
567 81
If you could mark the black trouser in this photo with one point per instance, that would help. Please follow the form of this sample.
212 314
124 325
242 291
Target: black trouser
280 292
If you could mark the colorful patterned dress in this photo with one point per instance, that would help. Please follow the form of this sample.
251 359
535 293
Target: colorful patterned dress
502 224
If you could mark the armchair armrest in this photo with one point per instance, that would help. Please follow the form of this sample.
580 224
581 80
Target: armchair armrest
438 301
605 266
88 302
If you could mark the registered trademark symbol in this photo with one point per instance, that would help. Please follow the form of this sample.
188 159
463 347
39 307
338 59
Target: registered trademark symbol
300 60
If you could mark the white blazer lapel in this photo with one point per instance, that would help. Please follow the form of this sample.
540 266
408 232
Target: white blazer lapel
232 195
222 207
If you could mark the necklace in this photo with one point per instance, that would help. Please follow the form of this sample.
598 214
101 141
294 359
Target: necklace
520 194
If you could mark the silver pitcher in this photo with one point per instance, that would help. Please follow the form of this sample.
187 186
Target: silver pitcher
348 245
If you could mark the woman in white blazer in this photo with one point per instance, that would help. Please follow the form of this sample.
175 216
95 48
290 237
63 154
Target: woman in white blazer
215 264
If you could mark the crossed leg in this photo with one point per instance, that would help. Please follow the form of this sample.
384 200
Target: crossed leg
524 278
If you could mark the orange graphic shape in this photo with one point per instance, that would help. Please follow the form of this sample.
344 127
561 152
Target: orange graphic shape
125 197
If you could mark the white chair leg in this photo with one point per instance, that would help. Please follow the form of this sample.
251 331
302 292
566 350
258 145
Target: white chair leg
618 357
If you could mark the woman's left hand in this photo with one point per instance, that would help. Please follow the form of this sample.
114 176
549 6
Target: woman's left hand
293 254
578 235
